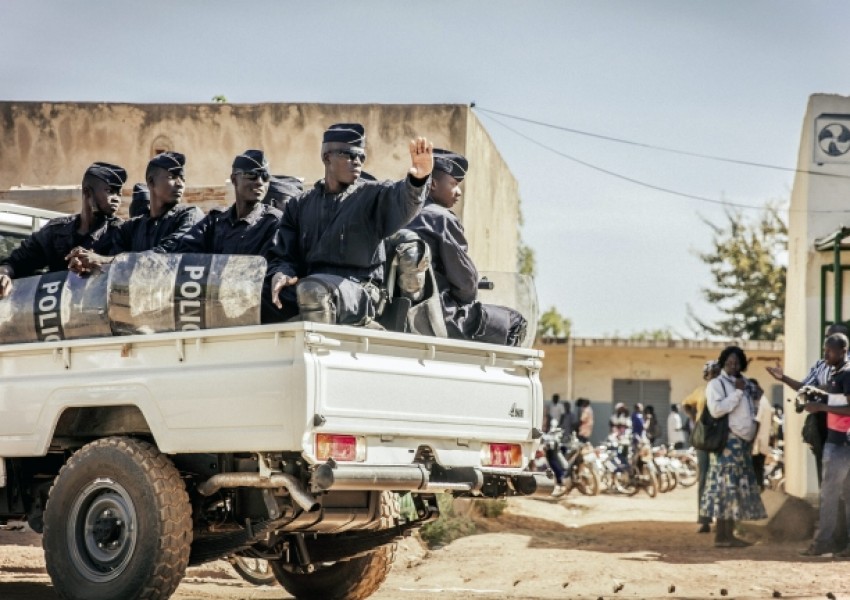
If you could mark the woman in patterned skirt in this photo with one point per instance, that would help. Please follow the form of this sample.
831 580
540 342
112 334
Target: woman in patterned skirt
731 490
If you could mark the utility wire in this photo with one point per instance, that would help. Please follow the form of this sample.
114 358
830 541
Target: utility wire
639 182
660 148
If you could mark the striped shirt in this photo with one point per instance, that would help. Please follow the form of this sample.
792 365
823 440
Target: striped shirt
818 374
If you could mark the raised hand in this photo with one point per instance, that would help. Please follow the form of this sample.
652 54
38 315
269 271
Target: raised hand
776 372
421 158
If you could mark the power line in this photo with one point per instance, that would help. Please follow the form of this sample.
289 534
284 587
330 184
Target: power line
661 148
645 184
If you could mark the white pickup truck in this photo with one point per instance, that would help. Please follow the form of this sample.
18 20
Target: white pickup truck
138 455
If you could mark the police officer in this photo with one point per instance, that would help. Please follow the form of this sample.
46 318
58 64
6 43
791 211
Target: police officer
457 277
49 247
281 189
161 228
249 226
141 202
330 239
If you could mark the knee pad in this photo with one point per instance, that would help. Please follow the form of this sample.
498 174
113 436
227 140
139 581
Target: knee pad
316 301
413 257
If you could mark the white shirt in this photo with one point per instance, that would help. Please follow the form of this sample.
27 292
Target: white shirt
722 398
675 434
764 417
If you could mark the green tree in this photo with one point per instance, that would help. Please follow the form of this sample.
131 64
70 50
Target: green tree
748 277
553 324
654 335
220 99
527 262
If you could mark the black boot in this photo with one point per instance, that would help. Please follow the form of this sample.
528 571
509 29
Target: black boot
723 533
736 542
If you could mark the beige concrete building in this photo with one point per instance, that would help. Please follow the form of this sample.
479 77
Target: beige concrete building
51 143
819 211
660 373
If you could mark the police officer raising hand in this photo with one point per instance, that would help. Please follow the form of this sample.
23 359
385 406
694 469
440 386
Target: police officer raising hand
422 157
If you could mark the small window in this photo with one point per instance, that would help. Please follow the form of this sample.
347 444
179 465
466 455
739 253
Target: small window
161 144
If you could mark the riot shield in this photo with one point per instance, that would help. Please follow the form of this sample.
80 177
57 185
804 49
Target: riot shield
515 291
150 292
138 293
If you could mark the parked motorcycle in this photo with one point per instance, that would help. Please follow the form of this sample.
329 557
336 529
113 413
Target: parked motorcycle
574 459
684 462
641 472
668 477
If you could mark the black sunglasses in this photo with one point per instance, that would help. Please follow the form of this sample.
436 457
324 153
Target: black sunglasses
352 155
256 174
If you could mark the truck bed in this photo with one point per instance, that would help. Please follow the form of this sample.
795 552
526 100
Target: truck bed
273 387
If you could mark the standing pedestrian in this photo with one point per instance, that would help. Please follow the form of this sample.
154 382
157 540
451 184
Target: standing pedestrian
731 492
675 428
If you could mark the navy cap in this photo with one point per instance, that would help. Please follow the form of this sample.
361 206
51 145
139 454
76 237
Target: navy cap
285 185
112 174
141 202
367 176
251 160
352 134
452 163
173 162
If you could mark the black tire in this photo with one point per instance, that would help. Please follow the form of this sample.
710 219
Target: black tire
663 479
586 480
117 524
688 472
253 570
353 579
649 481
674 479
626 483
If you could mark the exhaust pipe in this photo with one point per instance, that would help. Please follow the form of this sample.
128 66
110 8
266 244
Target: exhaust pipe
533 484
300 495
343 478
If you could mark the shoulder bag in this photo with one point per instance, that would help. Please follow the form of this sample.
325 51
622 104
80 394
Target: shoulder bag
710 434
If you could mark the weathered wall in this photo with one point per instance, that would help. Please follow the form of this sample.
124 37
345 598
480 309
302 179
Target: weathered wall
587 367
490 189
597 362
51 144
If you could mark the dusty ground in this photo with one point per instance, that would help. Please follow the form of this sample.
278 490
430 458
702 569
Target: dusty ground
601 547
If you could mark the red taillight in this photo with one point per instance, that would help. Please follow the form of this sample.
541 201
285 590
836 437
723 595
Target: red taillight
338 447
501 455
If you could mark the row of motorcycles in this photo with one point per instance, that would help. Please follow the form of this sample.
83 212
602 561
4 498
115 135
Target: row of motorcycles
618 466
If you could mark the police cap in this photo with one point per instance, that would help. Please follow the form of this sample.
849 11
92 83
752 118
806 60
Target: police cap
173 162
113 175
250 161
450 162
352 134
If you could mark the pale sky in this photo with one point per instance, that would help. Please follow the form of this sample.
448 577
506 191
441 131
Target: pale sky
724 78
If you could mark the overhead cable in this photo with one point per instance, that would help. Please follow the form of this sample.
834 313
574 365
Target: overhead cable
638 181
660 148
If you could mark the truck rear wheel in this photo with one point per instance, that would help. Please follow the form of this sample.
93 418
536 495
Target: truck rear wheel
353 579
117 524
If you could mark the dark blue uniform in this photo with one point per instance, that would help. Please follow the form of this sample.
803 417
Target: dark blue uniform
342 234
49 246
221 232
338 240
457 278
160 235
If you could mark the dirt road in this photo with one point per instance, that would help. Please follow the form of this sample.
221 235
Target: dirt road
577 547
